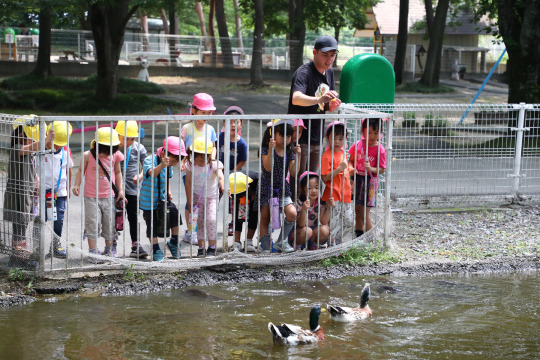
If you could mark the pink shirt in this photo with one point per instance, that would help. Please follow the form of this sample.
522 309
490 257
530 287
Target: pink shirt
372 155
105 189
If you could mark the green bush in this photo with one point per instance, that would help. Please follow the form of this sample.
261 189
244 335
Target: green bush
362 255
409 120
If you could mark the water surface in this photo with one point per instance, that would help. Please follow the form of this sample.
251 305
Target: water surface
445 317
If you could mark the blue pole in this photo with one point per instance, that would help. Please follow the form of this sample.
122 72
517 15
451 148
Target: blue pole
482 87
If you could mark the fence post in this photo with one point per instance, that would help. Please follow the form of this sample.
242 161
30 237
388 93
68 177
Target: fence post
519 146
42 203
387 183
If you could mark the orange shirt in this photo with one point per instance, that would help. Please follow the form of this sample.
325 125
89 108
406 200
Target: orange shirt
326 168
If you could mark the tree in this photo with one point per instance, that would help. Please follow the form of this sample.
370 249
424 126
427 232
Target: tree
238 24
200 15
401 46
226 49
43 63
256 59
516 22
297 32
431 74
108 20
211 33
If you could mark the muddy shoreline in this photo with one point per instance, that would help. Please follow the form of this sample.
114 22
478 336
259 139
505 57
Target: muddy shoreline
427 243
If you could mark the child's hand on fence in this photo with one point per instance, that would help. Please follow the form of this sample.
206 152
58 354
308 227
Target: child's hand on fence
50 137
76 190
297 149
331 202
271 144
166 161
342 166
169 196
306 205
368 167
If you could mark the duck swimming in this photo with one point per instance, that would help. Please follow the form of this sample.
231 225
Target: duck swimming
347 314
287 334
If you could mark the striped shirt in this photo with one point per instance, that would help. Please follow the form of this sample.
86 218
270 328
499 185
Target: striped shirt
146 201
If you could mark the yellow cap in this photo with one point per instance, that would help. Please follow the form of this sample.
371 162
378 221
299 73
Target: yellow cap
198 146
60 132
31 131
131 131
107 136
241 185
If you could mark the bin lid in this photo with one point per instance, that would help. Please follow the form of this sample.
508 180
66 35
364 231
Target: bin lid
34 31
9 31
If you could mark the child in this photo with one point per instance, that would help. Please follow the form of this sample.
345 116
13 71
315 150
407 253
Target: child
312 219
21 187
57 179
272 169
369 165
237 145
245 209
335 174
204 175
156 190
135 154
203 104
98 198
298 127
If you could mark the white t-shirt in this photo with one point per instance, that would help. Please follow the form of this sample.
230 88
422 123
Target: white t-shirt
52 170
199 179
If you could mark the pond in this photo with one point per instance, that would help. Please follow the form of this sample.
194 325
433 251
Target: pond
440 317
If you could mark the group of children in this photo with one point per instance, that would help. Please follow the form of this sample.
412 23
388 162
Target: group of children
258 199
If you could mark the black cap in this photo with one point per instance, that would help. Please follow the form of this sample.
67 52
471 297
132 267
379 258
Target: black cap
325 43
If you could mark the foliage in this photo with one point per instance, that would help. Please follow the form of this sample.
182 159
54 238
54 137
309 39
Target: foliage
362 255
15 274
409 120
435 121
130 275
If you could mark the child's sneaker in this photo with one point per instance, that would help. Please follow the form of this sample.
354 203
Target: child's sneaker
158 255
140 254
109 251
235 246
187 237
174 250
200 253
92 257
249 246
211 251
282 246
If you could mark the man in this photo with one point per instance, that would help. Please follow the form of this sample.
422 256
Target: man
313 92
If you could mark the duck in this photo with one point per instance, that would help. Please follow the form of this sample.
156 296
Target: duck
288 334
347 314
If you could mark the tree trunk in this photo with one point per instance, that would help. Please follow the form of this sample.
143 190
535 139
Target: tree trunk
43 64
298 33
226 49
401 46
429 16
200 14
256 59
108 27
212 34
238 23
432 70
336 36
144 28
521 41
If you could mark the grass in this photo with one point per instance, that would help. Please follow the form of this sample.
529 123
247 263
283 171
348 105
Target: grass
415 87
362 255
57 95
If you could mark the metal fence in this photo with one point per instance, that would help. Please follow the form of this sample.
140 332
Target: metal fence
28 239
463 155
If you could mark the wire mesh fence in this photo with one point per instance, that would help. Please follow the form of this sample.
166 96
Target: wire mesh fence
436 156
72 223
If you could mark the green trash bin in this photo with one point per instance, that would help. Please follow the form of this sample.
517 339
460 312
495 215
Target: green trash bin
367 79
9 36
34 31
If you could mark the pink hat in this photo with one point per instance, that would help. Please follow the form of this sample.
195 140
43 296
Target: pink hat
335 123
173 145
299 122
235 109
306 173
203 101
